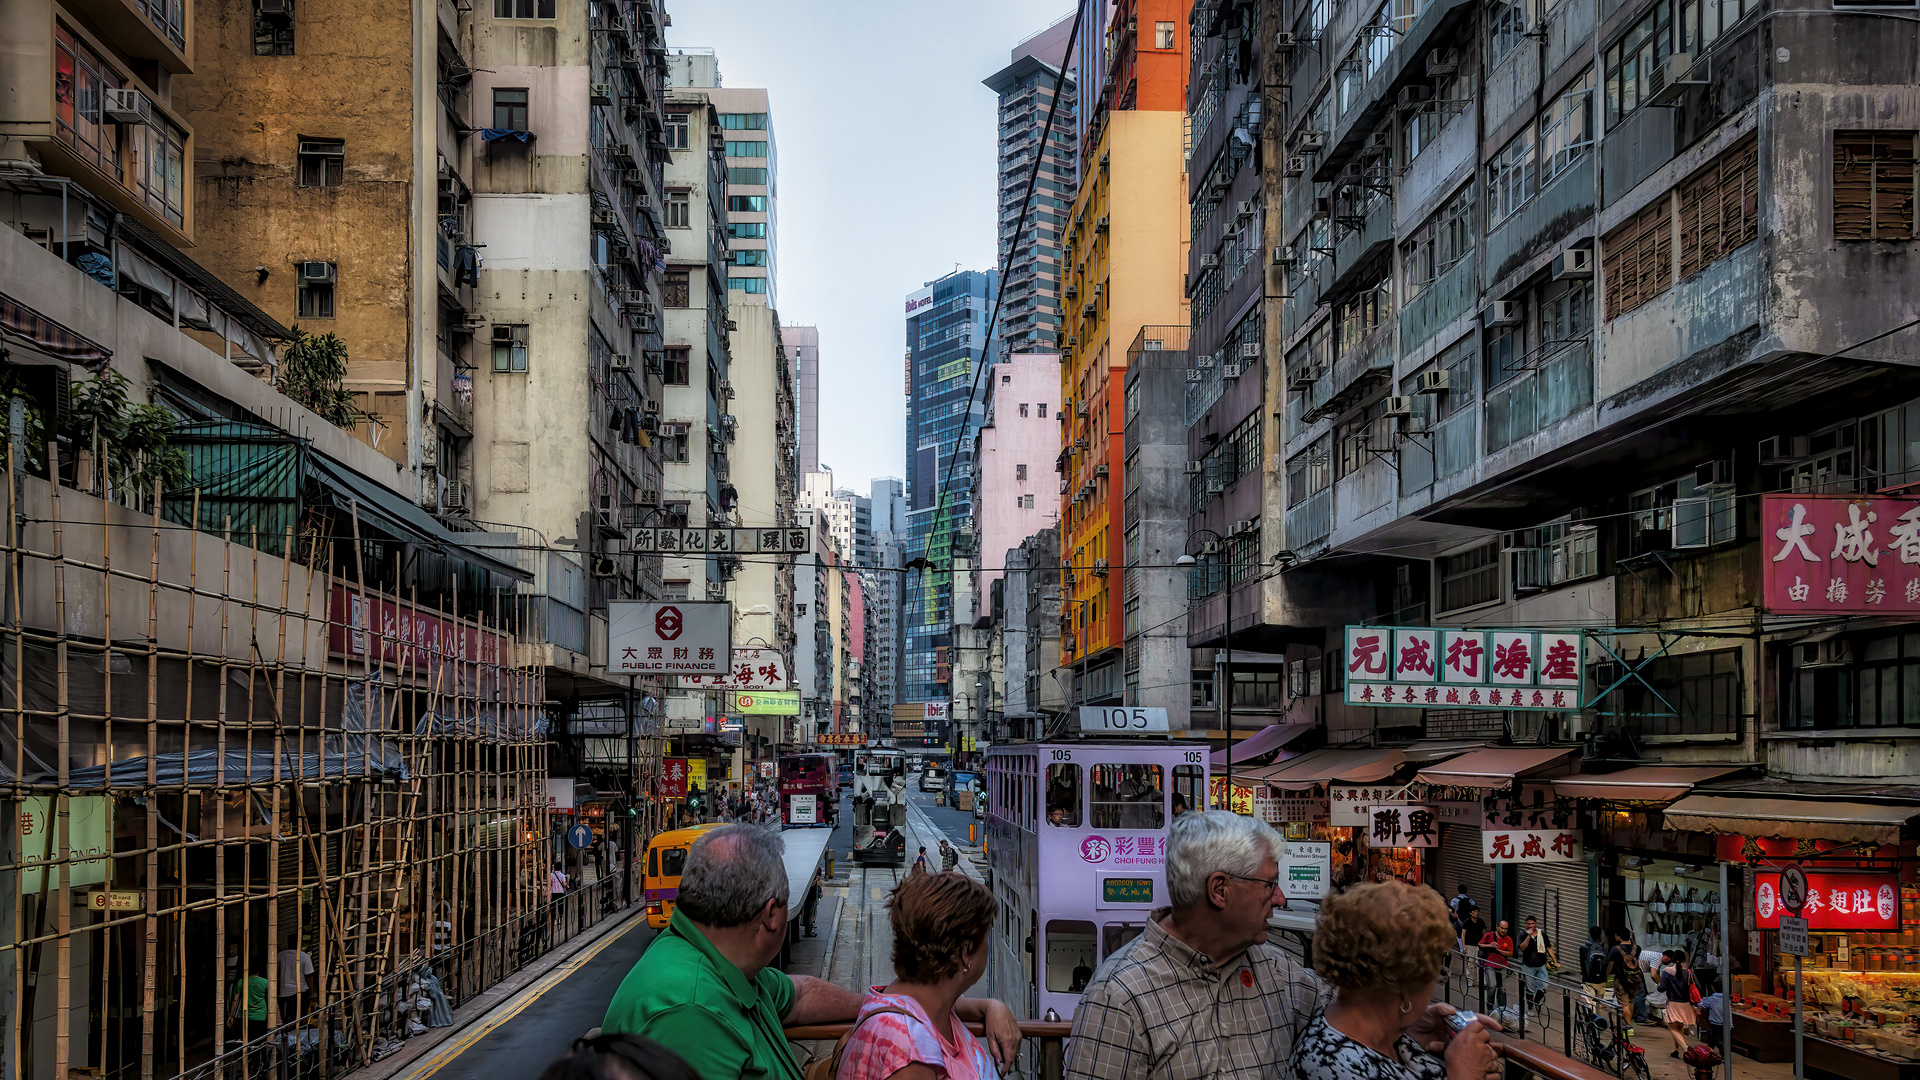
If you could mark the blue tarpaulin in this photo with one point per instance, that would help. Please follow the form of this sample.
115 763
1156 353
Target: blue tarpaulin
496 134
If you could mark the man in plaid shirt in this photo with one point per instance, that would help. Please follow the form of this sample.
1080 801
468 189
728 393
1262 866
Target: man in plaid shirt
1202 995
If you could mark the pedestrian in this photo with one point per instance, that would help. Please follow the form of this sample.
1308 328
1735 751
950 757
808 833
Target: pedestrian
619 1057
1713 1014
1496 950
556 883
949 857
1628 983
295 965
1677 983
706 985
811 907
1536 956
1593 964
1472 929
1202 993
248 1006
920 864
941 923
1460 899
1382 947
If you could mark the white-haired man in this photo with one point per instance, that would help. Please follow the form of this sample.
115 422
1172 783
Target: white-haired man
1202 994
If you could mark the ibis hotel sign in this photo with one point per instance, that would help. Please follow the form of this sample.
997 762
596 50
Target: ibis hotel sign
678 637
1426 667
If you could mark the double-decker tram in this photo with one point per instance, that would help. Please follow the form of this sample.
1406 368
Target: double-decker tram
1076 848
880 806
808 790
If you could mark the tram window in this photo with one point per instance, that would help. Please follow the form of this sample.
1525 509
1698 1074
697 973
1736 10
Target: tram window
1115 934
1189 787
1069 955
1129 797
1063 794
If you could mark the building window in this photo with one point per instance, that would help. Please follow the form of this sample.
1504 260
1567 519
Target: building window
756 285
1043 410
273 27
80 80
1552 555
1163 35
1511 178
1719 206
315 291
1469 578
676 289
678 370
747 176
162 182
747 204
510 348
743 121
1566 131
747 230
523 9
1858 682
1020 473
677 128
673 443
748 257
322 162
1638 258
1310 472
679 210
510 109
746 149
1872 185
1697 694
1023 412
1440 243
1506 28
1637 60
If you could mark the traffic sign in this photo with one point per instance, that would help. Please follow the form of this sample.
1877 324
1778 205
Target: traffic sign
1793 936
1793 890
580 837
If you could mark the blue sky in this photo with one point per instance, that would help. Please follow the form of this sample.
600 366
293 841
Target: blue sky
887 174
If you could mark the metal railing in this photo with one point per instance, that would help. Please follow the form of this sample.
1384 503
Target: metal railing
1555 1017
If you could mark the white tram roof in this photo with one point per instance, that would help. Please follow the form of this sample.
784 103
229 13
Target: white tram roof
1135 743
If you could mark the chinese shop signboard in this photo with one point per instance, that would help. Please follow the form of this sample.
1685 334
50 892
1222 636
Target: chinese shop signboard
673 777
748 669
1840 555
841 740
1348 803
1438 668
1836 900
1402 827
1534 827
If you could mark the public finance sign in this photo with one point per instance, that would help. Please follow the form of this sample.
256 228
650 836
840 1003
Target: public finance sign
1437 668
1835 900
1840 555
678 637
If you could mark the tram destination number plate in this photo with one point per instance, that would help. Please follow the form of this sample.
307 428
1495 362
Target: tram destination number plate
1117 719
1126 890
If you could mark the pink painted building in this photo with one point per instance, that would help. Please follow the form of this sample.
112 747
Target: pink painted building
1015 487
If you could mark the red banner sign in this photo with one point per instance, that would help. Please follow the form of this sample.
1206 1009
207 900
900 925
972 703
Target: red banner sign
406 636
1835 901
673 777
1840 554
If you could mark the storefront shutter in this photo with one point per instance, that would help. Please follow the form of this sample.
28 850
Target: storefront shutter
1460 861
1556 894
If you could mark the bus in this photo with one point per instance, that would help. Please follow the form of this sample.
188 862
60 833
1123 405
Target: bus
808 790
933 777
880 807
1076 846
666 857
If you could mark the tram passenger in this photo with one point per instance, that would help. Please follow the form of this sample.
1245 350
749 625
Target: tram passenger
1141 799
1383 946
1202 993
940 927
706 985
1063 796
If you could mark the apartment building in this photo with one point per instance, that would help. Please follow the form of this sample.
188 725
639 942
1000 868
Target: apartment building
884 588
1030 253
1034 692
1016 444
803 342
1126 245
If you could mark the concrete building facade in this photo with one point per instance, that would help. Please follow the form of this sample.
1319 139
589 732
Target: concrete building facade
1017 442
803 343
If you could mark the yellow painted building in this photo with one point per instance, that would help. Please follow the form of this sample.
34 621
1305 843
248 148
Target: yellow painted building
1126 255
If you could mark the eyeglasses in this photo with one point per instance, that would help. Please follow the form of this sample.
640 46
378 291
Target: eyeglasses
1272 884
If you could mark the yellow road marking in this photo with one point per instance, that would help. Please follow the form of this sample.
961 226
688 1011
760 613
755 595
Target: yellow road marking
440 1058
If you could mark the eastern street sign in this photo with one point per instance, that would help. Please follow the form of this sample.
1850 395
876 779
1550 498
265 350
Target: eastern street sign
731 540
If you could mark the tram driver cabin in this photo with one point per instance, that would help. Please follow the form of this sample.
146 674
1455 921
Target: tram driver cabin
1077 838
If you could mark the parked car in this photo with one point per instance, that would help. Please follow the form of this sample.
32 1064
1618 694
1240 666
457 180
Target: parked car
846 776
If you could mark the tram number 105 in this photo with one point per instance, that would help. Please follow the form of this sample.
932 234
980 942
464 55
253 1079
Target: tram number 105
1121 719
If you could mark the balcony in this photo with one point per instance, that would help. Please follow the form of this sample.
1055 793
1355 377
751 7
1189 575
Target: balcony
1566 201
1361 237
1556 381
1406 63
1357 372
1311 521
1435 307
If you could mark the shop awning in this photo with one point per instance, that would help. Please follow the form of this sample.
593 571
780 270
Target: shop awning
1265 741
1492 768
1359 765
1642 783
1794 819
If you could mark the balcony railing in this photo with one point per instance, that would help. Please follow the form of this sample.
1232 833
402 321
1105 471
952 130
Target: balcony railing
1549 391
1311 521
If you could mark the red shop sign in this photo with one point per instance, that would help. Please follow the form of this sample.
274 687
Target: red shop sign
1840 554
1835 901
406 636
673 777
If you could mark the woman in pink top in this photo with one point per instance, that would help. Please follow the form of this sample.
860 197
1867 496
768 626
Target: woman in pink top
911 1031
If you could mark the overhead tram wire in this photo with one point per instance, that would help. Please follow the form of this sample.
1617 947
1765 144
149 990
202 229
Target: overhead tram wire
1006 264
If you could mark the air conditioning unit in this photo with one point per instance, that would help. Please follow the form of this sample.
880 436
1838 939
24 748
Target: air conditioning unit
1430 382
1193 468
1295 166
1229 371
458 496
1193 375
315 270
1283 260
1100 566
126 106
1671 81
1249 350
1100 225
1100 469
279 8
1378 142
1079 408
1783 449
1216 487
1088 309
1310 142
1835 651
1398 406
1209 262
1443 62
1246 525
1284 40
1064 486
1210 547
1574 263
1243 208
600 93
1303 378
1322 207
1072 292
1204 360
726 389
655 363
604 215
619 362
604 566
1502 313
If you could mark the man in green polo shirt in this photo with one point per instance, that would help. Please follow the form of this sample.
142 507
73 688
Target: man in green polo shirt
705 988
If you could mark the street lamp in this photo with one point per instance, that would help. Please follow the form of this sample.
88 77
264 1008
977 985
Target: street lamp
1186 564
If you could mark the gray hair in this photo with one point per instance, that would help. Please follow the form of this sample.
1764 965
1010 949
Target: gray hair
731 873
1215 842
